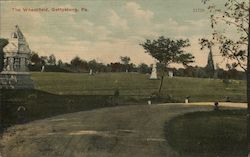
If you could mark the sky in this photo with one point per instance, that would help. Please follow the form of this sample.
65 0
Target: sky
107 29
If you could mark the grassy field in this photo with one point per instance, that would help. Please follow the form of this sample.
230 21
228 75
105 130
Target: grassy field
134 84
207 134
59 93
117 131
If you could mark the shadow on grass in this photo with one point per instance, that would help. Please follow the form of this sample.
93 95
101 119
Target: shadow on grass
206 134
39 105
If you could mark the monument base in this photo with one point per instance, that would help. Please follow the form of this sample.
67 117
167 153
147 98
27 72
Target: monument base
16 80
153 78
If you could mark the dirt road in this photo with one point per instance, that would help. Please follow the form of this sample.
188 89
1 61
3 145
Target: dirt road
128 131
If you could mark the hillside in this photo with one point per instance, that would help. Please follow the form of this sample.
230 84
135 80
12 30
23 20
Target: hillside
134 84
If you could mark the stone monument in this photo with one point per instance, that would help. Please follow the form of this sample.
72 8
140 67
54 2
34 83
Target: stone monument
15 73
90 72
171 74
153 75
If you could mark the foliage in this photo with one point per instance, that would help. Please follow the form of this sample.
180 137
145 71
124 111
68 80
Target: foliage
60 63
125 60
233 41
3 42
168 51
35 58
44 60
143 68
79 65
75 62
52 60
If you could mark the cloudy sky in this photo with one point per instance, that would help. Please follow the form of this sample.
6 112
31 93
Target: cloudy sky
106 29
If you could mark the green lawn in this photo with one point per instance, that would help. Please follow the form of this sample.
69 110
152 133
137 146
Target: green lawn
209 134
201 134
58 93
134 84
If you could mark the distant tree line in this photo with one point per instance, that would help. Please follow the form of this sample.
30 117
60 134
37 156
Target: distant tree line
50 63
79 65
202 72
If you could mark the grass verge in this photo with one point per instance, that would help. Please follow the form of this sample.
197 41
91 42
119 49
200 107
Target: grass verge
209 134
39 105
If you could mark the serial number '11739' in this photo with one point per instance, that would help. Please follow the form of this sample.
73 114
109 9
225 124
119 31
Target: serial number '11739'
198 10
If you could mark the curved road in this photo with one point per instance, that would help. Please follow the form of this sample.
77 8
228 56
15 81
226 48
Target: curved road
128 131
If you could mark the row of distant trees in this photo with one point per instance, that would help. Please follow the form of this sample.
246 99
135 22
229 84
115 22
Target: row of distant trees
80 65
52 64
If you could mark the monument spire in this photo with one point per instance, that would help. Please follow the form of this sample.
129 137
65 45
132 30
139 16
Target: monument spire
19 33
17 54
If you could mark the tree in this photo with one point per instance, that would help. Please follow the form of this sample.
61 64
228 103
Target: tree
168 51
59 62
76 62
93 65
3 43
232 42
143 68
52 59
236 48
34 58
125 60
44 60
116 67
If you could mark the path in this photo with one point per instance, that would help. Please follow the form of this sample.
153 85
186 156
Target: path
128 131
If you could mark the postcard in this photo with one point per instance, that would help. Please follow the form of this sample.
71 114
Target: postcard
120 78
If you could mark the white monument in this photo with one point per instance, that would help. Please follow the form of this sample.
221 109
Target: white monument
170 74
90 72
15 73
153 75
43 67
